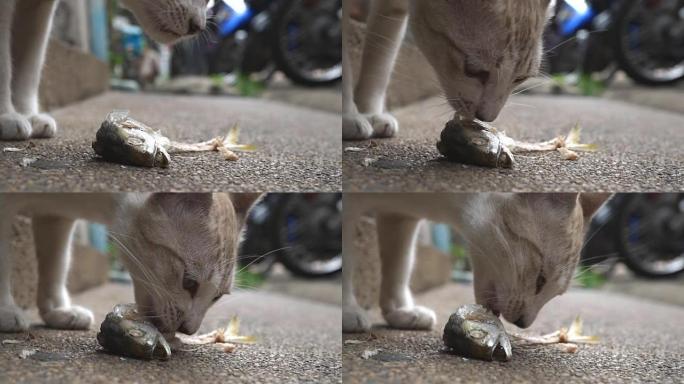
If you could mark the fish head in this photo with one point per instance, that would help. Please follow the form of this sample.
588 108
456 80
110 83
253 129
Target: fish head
486 337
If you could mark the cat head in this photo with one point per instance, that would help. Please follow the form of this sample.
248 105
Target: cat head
525 248
180 250
481 50
167 21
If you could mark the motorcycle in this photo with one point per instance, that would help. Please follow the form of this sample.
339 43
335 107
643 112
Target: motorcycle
301 231
644 38
302 38
644 231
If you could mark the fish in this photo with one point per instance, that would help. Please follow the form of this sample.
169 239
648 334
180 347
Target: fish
121 139
125 332
474 142
474 331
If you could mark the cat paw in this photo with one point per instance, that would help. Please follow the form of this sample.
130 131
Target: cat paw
43 125
14 126
12 319
354 320
384 125
73 317
356 127
411 318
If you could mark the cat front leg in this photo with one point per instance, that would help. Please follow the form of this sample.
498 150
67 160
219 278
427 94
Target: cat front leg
386 28
13 126
12 318
29 43
354 318
53 237
397 240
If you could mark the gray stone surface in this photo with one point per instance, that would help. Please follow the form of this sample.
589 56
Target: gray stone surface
639 150
641 341
298 149
298 341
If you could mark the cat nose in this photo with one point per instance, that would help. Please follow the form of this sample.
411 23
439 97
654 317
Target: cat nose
522 322
184 329
195 26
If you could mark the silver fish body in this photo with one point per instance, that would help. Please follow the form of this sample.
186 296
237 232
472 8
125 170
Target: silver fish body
474 331
124 140
124 332
473 142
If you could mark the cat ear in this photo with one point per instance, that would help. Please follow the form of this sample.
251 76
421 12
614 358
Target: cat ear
243 202
591 202
182 201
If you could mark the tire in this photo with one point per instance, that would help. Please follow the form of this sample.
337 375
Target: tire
292 71
291 256
621 54
633 260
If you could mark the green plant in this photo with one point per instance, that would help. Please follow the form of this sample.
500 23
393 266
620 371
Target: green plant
246 86
247 280
588 278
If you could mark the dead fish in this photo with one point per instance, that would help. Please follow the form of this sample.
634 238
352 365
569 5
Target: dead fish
124 140
124 332
474 142
474 331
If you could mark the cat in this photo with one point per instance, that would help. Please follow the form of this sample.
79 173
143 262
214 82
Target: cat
24 31
180 250
480 50
524 249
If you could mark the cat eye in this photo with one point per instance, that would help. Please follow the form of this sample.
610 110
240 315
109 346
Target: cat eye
191 285
520 80
541 281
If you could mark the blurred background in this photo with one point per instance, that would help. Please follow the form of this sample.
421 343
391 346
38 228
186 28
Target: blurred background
634 246
288 50
292 246
630 50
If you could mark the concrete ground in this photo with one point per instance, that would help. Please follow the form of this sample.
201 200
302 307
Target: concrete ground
298 341
298 149
640 342
639 150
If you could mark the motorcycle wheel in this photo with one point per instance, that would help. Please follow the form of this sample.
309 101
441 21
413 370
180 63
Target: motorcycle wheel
306 228
643 69
651 234
298 66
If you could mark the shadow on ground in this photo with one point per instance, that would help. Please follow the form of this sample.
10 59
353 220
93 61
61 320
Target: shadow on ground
298 340
640 342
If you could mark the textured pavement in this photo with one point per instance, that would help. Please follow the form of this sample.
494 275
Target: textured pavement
641 342
639 150
298 341
298 149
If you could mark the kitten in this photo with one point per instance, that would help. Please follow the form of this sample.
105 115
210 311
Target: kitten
524 249
179 249
480 50
24 31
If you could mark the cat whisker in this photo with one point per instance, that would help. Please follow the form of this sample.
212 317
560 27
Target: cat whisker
261 257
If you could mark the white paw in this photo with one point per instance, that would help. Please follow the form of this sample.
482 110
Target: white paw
12 319
384 125
356 127
73 317
411 318
354 320
43 125
14 126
